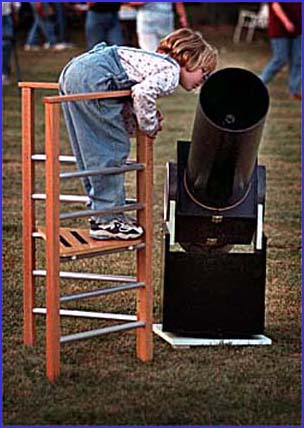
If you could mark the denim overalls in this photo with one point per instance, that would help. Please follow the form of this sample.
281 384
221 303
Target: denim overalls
96 127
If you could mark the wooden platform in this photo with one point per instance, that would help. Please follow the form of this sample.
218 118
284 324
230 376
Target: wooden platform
75 242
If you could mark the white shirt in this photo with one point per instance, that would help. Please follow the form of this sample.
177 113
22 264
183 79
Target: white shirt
155 76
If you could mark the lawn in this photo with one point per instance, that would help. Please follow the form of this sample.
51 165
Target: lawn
102 382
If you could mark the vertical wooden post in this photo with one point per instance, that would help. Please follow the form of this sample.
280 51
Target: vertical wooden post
144 343
52 150
28 205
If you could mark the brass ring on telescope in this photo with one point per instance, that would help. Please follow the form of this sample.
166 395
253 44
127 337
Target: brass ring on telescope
212 208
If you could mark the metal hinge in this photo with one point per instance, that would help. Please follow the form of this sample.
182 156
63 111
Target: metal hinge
211 241
217 219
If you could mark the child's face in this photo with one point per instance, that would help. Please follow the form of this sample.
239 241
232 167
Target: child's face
191 79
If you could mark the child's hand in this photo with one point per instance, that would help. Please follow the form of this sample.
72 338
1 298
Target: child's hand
289 26
160 118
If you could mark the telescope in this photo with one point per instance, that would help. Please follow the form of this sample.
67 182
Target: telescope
214 202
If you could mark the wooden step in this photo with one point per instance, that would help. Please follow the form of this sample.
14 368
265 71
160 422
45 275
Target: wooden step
74 242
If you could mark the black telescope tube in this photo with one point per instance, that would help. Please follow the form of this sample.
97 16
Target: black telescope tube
227 130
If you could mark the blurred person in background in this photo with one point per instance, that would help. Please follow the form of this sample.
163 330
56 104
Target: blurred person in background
102 24
155 20
9 18
285 29
61 24
44 24
127 16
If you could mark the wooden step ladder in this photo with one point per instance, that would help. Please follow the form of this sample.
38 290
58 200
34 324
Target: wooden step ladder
71 243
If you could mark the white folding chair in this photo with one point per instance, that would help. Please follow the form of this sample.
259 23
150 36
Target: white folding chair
250 20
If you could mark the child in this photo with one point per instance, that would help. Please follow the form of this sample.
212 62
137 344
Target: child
99 130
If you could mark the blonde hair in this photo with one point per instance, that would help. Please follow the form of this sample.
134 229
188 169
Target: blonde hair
189 49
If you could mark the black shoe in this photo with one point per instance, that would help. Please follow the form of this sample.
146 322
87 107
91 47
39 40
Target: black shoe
115 229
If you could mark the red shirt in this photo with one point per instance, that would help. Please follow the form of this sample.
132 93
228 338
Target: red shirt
293 12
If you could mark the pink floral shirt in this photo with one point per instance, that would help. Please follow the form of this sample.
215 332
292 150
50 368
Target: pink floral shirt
155 76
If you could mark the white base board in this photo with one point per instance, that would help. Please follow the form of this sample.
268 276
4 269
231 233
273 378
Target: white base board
186 342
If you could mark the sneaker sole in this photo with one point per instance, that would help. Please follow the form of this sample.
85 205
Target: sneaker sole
103 236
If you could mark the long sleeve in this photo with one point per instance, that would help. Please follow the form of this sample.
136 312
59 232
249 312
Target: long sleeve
145 94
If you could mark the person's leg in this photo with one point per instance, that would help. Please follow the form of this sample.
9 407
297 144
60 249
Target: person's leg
60 23
280 52
110 148
7 41
33 35
47 23
68 117
164 24
115 32
47 28
152 26
6 56
97 131
96 27
146 30
99 140
148 41
32 40
50 34
294 80
66 89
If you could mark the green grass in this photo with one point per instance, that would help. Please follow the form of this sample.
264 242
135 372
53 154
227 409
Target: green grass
102 382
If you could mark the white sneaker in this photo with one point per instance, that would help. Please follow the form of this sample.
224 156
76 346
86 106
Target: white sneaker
70 45
59 47
31 48
115 229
